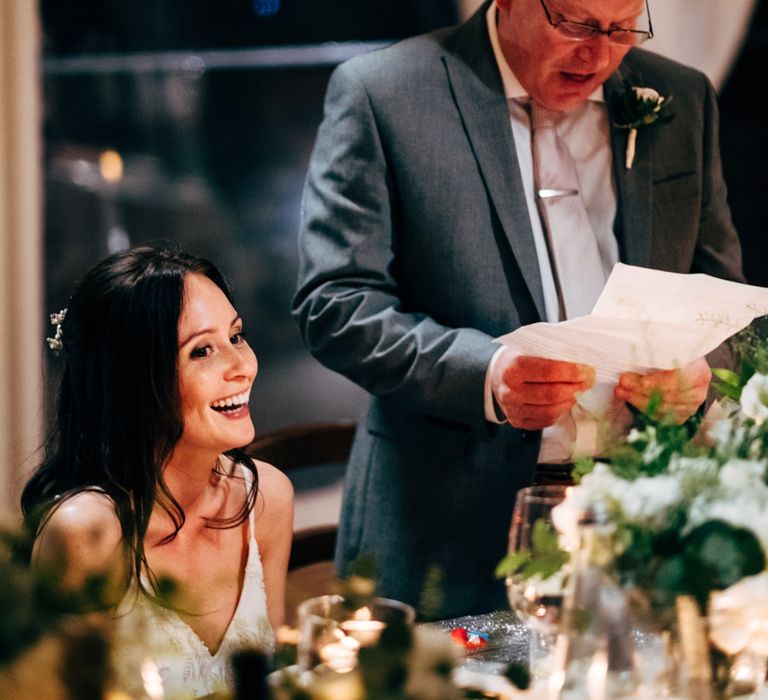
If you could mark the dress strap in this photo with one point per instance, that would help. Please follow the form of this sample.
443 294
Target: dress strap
248 477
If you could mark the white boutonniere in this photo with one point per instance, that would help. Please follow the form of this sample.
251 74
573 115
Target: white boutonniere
634 107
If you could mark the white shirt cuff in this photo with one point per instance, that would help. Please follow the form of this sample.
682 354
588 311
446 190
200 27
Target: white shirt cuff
490 409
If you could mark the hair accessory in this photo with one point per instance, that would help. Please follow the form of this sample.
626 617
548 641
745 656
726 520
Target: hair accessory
56 343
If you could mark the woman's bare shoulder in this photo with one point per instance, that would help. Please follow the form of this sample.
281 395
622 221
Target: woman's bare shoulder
274 507
82 535
274 484
87 513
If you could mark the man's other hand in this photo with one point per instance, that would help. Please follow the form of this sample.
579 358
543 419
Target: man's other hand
682 391
534 392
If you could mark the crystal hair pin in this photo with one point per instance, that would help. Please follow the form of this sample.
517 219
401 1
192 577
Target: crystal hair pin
56 343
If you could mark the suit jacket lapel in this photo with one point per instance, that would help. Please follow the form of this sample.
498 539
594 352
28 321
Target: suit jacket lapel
634 187
477 89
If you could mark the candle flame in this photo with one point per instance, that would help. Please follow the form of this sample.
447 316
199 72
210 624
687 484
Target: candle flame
363 613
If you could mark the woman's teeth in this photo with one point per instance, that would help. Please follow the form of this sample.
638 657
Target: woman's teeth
232 403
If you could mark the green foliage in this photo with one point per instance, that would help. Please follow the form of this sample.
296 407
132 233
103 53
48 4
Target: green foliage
750 349
650 448
636 545
581 467
730 384
663 492
518 675
713 556
652 443
384 667
544 559
31 601
719 555
364 567
432 598
359 588
750 353
285 655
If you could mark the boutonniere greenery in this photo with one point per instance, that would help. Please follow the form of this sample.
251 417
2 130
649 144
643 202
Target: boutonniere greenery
634 107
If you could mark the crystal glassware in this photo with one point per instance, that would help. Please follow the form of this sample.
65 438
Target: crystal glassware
332 631
537 601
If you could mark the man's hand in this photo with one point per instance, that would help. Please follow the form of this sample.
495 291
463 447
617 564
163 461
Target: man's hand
534 392
682 390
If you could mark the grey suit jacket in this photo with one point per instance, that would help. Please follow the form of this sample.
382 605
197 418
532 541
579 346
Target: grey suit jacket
416 250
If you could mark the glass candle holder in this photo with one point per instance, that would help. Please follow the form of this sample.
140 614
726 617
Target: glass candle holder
332 631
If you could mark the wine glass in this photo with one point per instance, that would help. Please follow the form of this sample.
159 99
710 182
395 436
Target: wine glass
537 601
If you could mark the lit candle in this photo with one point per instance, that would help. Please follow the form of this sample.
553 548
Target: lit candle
363 628
341 654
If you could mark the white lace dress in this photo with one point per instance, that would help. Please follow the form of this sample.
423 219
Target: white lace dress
154 645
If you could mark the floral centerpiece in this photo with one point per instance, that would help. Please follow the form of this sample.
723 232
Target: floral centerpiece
687 512
688 519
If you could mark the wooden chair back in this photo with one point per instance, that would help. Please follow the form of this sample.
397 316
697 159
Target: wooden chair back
303 447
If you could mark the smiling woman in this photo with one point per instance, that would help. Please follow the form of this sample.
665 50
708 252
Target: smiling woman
216 370
144 479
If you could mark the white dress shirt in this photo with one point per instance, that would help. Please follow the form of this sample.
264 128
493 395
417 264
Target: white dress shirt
586 132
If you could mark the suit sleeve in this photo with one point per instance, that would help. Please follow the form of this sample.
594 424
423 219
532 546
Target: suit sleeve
718 251
348 303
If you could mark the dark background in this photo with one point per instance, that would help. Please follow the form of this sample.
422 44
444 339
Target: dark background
214 156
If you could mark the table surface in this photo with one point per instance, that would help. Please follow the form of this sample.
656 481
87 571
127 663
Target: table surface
508 639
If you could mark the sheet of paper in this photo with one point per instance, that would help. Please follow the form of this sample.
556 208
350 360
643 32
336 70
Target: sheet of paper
644 319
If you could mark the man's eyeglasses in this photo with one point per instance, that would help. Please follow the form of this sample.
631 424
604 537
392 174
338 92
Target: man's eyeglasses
581 31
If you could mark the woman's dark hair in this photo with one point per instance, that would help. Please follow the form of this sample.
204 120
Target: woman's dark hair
118 415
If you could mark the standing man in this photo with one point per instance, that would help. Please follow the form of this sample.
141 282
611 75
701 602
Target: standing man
427 231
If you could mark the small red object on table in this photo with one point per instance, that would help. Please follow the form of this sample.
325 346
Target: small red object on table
469 639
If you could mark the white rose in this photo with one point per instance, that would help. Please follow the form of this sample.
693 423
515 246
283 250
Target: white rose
754 398
693 467
695 475
646 93
739 475
599 486
721 433
565 517
648 499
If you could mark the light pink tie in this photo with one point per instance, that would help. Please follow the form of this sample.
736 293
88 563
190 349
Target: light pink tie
573 250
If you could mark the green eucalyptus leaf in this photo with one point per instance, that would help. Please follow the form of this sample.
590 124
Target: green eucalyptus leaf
544 566
544 538
727 376
727 390
544 559
512 563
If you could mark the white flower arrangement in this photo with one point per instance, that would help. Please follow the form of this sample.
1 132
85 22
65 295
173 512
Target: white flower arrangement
686 516
754 398
688 519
